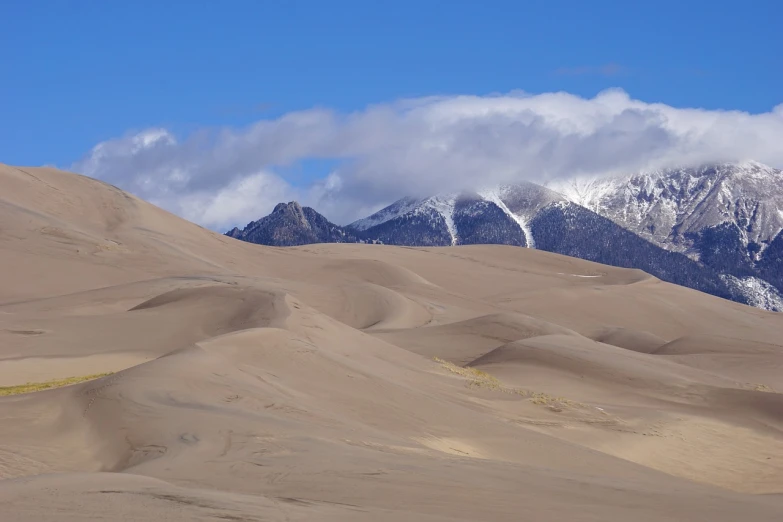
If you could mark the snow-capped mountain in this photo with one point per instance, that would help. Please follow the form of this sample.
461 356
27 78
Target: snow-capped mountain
729 217
508 207
674 207
715 228
530 215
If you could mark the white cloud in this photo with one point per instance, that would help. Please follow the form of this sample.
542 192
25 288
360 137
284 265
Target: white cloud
236 203
230 176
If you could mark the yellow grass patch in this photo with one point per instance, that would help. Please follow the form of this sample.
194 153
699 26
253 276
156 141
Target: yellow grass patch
55 383
553 403
476 377
481 379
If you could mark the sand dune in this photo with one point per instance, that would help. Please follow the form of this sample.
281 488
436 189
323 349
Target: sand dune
462 342
638 341
356 382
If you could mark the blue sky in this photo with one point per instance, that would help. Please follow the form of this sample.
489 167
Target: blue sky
78 73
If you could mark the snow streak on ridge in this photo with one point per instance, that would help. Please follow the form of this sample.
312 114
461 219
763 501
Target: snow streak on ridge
493 196
444 205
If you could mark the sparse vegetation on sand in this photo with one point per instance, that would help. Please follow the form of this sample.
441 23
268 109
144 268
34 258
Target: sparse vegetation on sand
477 378
481 379
55 383
554 403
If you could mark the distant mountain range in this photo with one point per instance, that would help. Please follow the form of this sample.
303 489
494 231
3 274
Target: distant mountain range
715 228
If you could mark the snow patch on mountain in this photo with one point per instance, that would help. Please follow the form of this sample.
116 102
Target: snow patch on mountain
758 292
587 192
444 205
395 210
493 195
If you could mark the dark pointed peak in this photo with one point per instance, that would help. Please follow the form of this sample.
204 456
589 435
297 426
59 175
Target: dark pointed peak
291 205
234 232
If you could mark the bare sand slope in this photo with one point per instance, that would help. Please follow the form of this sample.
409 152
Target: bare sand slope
357 382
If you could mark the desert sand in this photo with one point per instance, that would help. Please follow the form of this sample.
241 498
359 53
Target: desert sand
363 382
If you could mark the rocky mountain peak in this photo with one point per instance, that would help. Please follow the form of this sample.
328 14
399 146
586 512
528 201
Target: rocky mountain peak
293 210
673 207
292 206
291 224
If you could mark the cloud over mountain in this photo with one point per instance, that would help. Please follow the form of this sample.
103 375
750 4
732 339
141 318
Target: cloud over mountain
223 177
